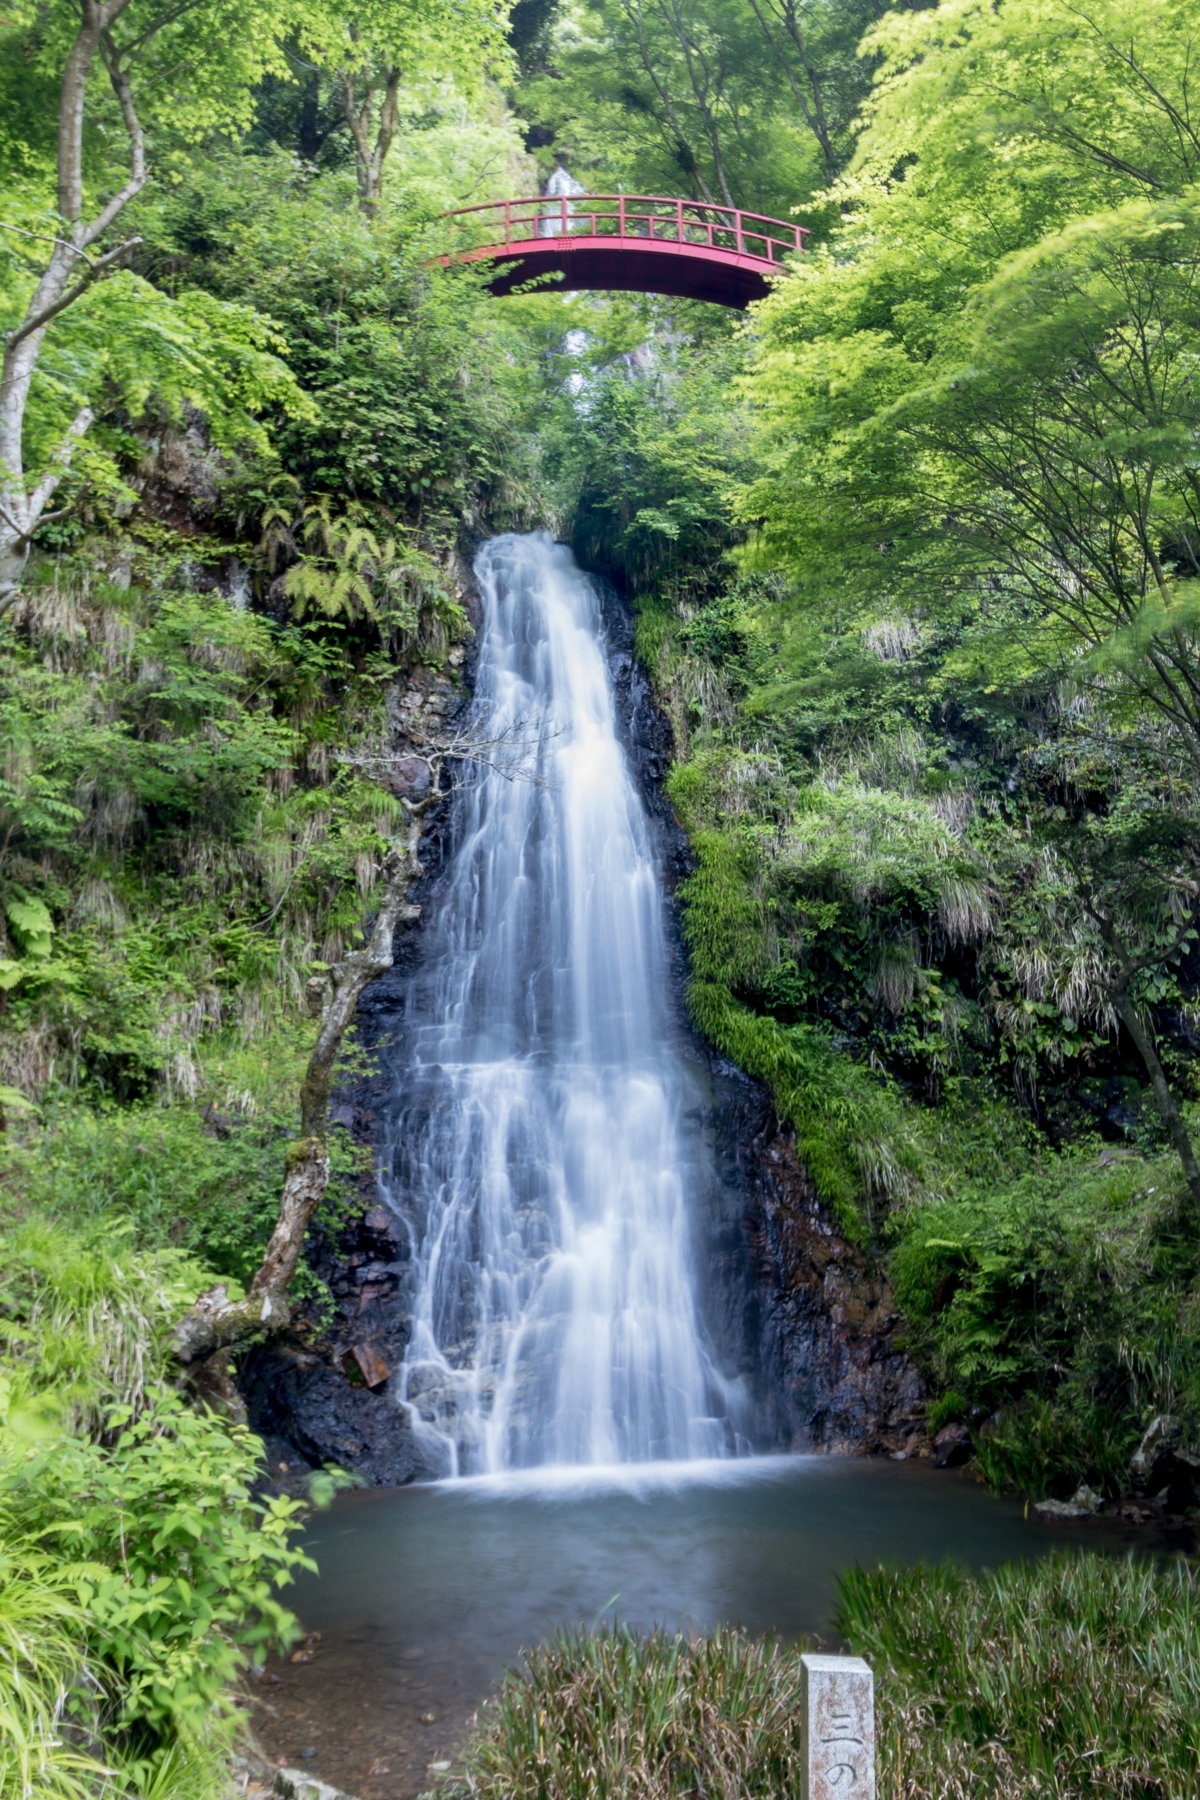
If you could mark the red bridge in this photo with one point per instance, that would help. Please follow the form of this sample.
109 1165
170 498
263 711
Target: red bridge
642 243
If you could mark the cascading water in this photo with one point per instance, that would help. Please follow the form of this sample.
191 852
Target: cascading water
542 1154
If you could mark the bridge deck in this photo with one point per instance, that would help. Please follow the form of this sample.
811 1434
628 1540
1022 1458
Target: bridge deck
639 243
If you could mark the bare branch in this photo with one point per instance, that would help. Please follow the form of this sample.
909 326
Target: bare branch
118 74
511 752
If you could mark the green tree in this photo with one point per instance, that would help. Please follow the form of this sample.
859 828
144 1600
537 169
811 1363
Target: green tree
983 402
383 47
713 96
144 50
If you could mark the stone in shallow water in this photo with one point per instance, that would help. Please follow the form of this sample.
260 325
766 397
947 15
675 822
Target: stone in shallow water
1082 1504
838 1703
294 1784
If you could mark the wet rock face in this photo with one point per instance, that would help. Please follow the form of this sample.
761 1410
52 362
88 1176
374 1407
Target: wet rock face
816 1322
799 1311
828 1322
324 1396
309 1415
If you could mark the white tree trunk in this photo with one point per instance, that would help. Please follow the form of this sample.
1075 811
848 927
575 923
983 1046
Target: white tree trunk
68 273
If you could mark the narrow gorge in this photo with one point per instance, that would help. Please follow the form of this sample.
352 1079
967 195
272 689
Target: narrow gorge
590 1241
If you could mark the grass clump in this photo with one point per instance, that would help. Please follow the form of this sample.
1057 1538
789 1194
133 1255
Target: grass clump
1076 1676
41 1662
609 1713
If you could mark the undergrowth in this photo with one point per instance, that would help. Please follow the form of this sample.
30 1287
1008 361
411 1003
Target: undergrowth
138 1572
1072 1677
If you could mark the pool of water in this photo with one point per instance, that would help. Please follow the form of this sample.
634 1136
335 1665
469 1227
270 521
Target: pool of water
426 1594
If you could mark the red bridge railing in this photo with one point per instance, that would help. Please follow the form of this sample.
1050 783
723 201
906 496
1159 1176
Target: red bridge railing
515 224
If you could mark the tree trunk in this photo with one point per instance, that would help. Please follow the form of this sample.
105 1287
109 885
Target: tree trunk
812 110
215 1324
369 157
1171 1116
67 274
309 137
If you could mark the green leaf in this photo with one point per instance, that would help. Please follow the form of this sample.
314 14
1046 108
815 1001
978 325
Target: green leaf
34 928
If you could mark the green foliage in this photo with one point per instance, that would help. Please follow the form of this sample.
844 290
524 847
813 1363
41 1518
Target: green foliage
869 928
346 570
126 1516
180 1565
647 460
1055 1309
430 44
1069 1676
987 415
173 804
746 105
193 73
82 1317
414 382
41 1624
850 1132
154 353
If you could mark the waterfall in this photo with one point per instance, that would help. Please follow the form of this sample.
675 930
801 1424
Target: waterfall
541 1151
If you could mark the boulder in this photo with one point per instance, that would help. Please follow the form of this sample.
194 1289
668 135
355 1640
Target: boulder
1083 1504
952 1446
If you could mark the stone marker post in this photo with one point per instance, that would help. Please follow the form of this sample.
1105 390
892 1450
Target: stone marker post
838 1701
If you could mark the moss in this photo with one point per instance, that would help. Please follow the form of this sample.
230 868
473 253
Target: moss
850 1128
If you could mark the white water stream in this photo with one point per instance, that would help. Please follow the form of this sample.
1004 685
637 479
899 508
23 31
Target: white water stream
544 1153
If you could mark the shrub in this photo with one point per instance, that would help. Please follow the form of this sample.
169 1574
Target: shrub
137 1569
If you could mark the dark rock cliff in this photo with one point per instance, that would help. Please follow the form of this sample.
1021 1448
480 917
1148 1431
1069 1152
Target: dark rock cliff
799 1311
817 1319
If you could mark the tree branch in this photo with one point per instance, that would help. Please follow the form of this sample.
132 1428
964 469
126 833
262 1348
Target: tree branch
38 321
60 462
